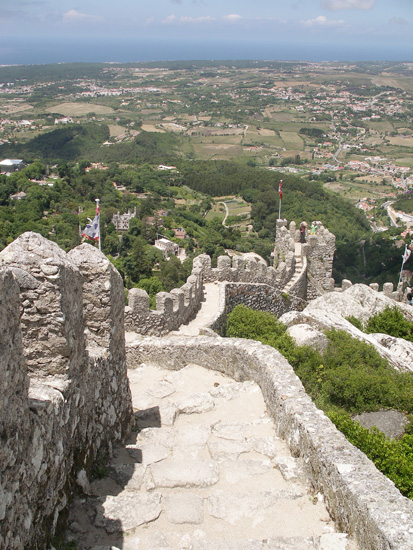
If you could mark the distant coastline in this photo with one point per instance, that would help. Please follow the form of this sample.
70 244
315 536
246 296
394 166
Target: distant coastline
45 50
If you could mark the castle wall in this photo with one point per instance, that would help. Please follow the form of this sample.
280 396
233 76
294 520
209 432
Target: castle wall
173 309
361 500
64 395
320 256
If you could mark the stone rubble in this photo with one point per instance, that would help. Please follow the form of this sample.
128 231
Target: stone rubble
216 477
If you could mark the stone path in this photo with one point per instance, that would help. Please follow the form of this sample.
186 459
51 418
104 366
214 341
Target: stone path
203 471
298 268
208 310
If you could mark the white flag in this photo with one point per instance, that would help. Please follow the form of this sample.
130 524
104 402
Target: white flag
406 255
91 231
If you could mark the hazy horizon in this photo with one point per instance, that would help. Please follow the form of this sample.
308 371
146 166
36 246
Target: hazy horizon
129 50
53 31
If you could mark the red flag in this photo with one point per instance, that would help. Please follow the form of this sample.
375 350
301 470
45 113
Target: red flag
280 191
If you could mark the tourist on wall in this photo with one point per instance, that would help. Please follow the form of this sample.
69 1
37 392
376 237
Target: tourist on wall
302 232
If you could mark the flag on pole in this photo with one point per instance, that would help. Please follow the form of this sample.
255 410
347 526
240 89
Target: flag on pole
406 255
92 229
280 190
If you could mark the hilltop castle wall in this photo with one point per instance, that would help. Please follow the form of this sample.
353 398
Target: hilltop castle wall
64 393
300 273
173 309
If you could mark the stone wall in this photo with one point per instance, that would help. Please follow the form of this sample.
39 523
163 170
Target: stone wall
240 270
361 500
320 256
173 309
64 394
254 296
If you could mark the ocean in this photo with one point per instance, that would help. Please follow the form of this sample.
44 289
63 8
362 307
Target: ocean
41 49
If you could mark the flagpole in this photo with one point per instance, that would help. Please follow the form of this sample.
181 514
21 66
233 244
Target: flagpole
97 212
280 193
403 262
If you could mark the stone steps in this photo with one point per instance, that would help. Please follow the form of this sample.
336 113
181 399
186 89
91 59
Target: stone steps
203 471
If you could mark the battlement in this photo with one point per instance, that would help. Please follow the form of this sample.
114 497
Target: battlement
64 393
173 309
388 289
247 270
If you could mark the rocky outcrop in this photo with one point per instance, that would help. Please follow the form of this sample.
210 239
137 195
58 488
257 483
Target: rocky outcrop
64 395
331 310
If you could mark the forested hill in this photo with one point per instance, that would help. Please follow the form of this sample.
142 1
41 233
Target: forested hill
302 199
80 142
69 143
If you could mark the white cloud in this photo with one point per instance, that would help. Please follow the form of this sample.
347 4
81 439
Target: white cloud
170 19
322 21
398 21
232 17
202 19
73 16
186 19
335 5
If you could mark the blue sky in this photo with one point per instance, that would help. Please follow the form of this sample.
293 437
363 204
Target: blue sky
89 30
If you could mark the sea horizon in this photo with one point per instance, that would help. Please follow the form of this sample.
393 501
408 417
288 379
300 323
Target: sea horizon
31 51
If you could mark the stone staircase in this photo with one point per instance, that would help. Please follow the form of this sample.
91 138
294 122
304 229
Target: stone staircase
203 471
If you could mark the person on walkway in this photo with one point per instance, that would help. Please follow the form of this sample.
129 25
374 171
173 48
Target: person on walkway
302 232
410 297
314 228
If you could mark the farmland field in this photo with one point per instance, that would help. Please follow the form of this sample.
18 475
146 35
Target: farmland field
79 109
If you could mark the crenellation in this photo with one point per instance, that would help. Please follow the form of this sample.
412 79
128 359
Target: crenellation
52 316
172 308
138 300
388 289
178 297
73 401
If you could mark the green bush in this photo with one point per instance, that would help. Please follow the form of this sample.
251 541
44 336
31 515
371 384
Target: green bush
356 322
261 326
391 321
394 458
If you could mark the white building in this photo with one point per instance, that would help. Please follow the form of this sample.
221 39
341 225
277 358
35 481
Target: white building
167 247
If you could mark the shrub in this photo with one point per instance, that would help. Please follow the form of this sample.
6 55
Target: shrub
261 326
394 458
356 322
391 321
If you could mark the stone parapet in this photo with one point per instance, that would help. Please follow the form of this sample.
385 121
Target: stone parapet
61 333
361 500
173 309
249 270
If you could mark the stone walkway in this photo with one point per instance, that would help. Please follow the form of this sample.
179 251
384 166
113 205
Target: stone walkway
203 471
207 312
